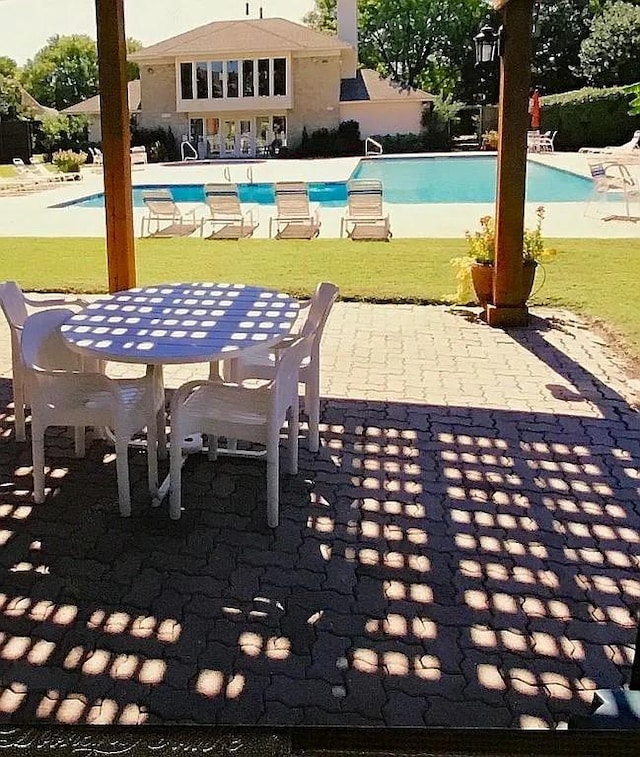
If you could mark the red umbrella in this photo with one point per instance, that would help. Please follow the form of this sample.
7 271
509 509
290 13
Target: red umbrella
534 110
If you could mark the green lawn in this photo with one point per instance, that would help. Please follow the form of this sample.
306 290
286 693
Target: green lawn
591 276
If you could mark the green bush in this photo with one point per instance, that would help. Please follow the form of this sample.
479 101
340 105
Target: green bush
589 117
160 143
400 143
330 143
68 161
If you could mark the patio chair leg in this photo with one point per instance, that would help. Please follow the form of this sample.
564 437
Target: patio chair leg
79 441
37 453
312 406
273 483
122 473
18 409
294 423
175 475
152 458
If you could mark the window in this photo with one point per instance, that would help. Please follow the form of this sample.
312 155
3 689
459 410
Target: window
232 78
280 76
216 78
202 81
186 81
247 78
263 77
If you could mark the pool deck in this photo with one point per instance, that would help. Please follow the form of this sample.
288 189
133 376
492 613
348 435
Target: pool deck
33 215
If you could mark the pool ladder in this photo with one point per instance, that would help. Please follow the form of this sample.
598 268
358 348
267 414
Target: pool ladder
371 147
227 174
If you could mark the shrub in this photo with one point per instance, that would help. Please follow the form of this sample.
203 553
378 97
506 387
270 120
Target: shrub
330 143
68 161
160 143
400 143
589 117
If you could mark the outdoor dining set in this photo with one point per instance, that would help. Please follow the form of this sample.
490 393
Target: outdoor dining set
259 345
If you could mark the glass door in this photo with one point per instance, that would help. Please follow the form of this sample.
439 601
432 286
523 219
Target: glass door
229 135
247 139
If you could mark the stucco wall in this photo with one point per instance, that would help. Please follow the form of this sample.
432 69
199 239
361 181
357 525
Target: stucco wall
158 87
316 96
383 117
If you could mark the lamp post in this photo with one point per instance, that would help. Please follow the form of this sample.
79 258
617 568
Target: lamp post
487 45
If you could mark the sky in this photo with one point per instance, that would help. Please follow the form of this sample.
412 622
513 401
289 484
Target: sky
26 25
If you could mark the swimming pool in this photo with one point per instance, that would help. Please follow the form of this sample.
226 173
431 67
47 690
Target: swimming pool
405 180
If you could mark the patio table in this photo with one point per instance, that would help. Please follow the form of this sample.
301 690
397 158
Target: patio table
181 323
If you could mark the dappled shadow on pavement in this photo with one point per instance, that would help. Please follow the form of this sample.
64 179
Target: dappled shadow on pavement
434 566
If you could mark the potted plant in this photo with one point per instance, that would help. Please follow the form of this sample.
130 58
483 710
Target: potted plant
490 140
474 271
68 161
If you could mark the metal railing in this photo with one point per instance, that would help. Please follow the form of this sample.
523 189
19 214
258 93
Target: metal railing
370 143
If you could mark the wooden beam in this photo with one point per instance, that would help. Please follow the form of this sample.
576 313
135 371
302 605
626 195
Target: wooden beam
513 122
114 117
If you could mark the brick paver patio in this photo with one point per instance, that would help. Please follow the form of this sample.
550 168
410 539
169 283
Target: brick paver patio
463 550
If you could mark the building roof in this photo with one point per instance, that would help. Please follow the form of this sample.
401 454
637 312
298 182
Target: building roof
92 105
369 85
37 110
264 35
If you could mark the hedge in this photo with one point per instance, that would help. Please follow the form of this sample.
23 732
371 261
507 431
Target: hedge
589 117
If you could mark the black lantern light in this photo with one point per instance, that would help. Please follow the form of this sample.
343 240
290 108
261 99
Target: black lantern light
488 45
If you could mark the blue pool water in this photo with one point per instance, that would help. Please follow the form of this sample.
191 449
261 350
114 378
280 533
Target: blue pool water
405 180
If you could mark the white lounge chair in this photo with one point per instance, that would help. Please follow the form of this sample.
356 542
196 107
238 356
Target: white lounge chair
227 219
169 220
96 156
294 219
31 173
613 182
253 413
62 394
627 147
365 217
262 364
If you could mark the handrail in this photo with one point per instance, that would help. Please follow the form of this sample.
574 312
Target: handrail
186 143
250 175
227 173
370 141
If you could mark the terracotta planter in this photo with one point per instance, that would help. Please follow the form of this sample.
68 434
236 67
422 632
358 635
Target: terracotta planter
482 277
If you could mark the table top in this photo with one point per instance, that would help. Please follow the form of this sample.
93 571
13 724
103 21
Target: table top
181 323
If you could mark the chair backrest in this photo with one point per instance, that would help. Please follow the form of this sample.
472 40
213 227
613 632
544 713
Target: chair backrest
611 175
321 303
13 304
18 162
364 197
285 380
223 199
292 199
42 344
159 202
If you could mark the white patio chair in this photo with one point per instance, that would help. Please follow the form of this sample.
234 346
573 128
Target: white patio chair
169 220
365 218
628 147
262 364
546 141
293 219
16 307
613 181
253 413
62 394
227 218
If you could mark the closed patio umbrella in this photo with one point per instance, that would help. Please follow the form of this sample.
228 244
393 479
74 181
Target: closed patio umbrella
534 110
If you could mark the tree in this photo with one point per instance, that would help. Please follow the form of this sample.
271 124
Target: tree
611 53
323 16
133 45
63 72
8 66
421 43
10 96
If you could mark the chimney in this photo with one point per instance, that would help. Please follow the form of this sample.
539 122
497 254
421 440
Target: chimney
348 32
348 22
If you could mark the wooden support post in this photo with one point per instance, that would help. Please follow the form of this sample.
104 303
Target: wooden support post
513 120
114 117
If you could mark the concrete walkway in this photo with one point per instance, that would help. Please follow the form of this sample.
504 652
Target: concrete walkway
463 551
